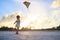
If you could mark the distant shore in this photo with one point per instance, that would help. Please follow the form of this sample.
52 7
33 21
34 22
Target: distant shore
33 30
3 28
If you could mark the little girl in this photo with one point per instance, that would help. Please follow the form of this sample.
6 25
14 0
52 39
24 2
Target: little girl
17 23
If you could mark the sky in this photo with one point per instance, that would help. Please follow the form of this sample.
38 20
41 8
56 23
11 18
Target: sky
8 6
42 13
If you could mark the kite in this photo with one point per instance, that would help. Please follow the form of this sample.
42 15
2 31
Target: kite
26 4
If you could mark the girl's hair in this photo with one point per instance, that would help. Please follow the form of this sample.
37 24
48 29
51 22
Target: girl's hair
17 16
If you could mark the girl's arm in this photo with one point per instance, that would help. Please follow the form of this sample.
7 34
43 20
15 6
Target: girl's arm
15 22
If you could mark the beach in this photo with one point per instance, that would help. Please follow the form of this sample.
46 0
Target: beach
30 35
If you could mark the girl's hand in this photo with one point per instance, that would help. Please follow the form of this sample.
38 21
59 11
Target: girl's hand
14 23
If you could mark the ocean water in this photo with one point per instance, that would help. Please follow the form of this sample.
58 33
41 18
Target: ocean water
30 35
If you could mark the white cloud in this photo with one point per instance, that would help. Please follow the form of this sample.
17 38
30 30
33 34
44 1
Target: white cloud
55 12
55 4
53 20
9 19
56 15
36 17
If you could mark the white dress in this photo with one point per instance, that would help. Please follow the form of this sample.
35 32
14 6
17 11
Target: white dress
17 23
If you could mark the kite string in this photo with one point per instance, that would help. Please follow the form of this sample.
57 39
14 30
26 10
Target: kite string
28 10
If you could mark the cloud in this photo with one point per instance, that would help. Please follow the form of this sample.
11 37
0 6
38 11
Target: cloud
55 12
9 19
36 17
51 22
55 4
29 20
56 15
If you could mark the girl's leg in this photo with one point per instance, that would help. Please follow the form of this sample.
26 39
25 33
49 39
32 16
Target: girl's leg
17 30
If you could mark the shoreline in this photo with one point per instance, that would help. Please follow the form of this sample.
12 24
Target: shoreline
30 30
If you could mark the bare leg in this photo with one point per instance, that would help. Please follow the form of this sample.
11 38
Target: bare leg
17 30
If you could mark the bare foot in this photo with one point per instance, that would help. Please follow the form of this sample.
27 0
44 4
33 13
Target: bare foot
17 33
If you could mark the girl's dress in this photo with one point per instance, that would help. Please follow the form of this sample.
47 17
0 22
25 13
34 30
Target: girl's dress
17 23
